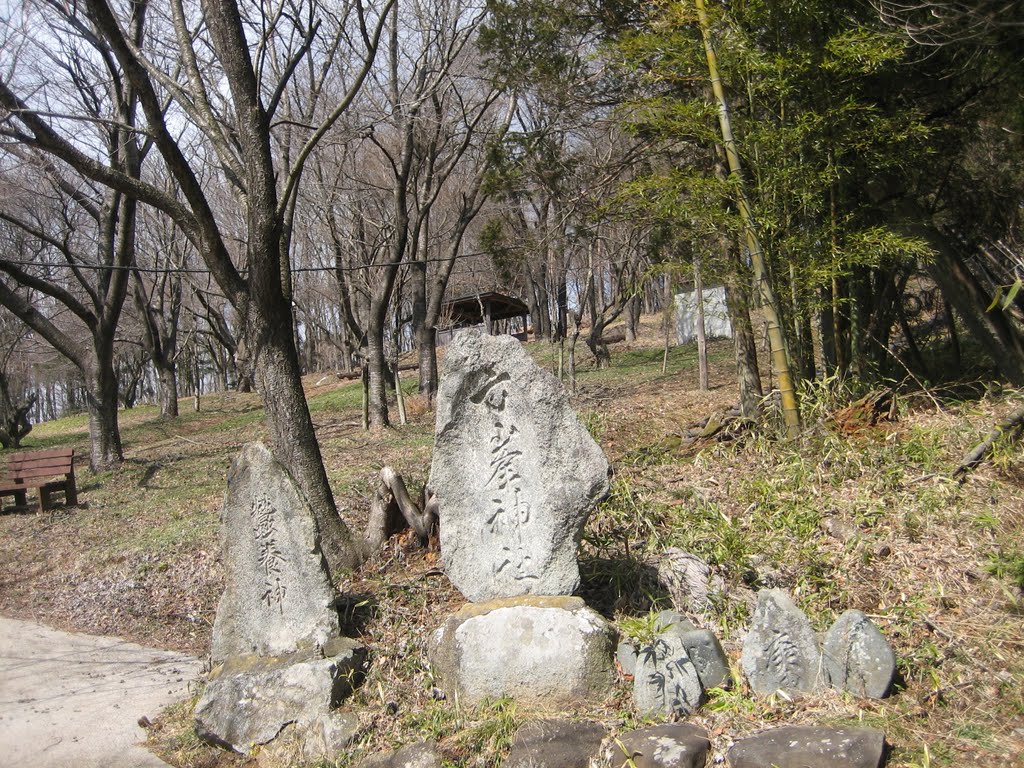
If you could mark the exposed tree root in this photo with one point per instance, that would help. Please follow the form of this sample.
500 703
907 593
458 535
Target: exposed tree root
393 509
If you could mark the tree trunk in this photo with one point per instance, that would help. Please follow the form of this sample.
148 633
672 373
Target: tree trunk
293 439
747 371
167 376
827 331
376 365
770 304
105 451
632 318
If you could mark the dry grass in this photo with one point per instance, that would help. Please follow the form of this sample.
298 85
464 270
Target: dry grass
938 565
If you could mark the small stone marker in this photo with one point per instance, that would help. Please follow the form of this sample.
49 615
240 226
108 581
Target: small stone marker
708 656
277 597
672 621
281 668
857 657
666 680
810 747
547 651
781 650
678 745
556 744
514 472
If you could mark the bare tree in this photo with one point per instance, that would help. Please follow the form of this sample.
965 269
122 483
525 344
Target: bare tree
209 96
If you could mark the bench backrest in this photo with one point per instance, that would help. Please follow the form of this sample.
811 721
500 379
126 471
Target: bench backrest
31 465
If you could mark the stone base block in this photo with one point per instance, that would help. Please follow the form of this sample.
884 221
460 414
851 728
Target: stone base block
250 700
544 651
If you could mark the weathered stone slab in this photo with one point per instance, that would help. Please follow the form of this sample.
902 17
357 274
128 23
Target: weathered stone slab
625 654
708 657
678 745
250 700
781 650
810 747
277 596
548 651
672 621
514 472
857 657
556 744
666 681
421 755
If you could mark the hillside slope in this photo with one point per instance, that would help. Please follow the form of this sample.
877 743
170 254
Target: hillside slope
863 517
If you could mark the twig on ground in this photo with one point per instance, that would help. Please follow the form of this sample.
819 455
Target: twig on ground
1012 427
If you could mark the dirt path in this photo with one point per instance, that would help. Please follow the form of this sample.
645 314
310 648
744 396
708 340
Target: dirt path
75 700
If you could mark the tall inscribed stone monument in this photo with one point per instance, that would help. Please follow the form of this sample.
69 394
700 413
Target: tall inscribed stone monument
281 667
514 471
515 475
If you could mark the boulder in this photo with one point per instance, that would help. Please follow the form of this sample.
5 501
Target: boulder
810 747
250 700
421 755
514 473
678 745
556 744
857 657
781 650
546 651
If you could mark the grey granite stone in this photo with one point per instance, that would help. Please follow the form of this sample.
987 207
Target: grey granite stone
547 651
421 755
625 654
514 472
556 744
277 596
810 747
678 745
857 657
666 681
672 621
781 650
250 700
708 656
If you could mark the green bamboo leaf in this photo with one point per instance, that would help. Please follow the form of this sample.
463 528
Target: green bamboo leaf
1011 294
995 301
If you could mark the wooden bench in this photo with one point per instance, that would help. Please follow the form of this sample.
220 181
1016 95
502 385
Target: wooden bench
47 471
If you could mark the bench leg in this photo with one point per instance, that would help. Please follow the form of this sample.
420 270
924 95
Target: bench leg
21 498
71 494
44 499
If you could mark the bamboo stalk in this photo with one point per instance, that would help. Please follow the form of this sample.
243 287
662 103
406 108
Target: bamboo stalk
769 303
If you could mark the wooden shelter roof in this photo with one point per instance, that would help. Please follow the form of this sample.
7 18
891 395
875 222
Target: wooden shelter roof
470 309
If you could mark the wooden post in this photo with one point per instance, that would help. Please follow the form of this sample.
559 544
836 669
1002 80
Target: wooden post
400 397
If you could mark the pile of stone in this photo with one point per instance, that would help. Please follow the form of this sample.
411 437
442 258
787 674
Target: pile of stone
782 652
281 667
515 475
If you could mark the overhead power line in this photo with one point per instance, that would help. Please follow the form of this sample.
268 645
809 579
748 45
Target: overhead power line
203 271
